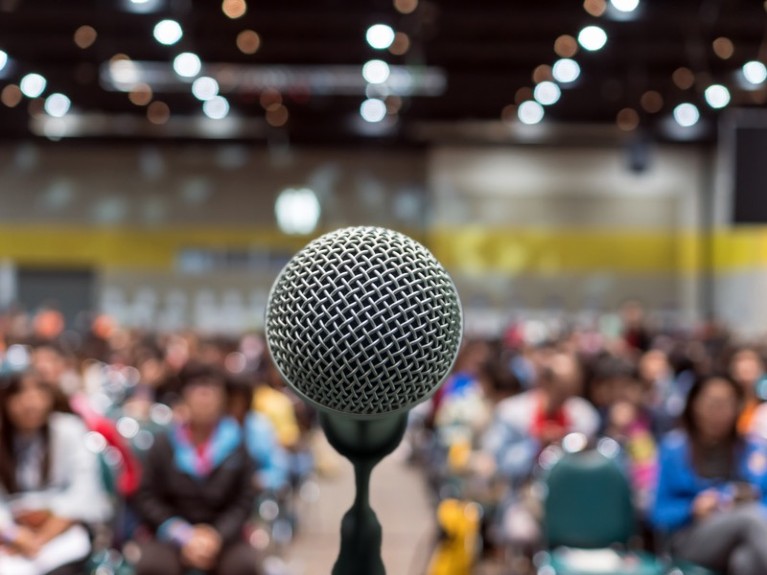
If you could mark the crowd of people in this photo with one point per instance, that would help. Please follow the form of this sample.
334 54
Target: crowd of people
163 446
683 408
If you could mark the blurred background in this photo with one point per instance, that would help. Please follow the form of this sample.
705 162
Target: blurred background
590 173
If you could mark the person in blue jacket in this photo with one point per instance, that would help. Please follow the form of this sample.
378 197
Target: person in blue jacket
269 457
712 486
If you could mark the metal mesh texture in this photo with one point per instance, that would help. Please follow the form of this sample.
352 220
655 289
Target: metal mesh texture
364 321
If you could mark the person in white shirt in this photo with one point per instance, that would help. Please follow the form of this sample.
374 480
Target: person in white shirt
50 482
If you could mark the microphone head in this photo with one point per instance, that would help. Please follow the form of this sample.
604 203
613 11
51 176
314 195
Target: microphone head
364 322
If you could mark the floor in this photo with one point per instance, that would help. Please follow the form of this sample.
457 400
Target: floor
399 499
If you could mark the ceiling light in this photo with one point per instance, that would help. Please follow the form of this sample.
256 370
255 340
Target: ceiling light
57 105
373 110
168 32
248 41
530 112
204 88
547 93
187 64
32 85
566 70
376 71
592 38
85 36
686 115
380 36
234 8
754 72
217 108
717 96
3 59
625 5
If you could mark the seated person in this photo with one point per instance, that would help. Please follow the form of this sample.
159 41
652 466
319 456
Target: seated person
50 484
523 426
197 491
712 486
269 457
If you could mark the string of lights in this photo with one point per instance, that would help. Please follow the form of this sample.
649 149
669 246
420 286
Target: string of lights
549 81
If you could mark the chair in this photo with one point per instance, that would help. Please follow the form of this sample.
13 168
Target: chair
589 519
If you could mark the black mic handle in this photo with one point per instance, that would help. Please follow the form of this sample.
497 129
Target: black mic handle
360 552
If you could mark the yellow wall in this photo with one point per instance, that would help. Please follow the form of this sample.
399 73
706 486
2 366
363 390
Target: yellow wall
465 249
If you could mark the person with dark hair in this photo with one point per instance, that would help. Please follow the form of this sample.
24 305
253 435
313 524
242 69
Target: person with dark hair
49 482
712 486
197 491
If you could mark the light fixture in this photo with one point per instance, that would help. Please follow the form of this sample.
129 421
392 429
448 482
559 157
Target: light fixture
686 115
376 71
234 8
625 5
187 64
204 88
380 36
248 41
57 105
530 112
168 32
32 85
3 59
566 71
373 110
217 108
592 38
717 96
754 72
297 210
547 93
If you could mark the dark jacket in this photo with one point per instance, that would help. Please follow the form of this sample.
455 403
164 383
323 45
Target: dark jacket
174 491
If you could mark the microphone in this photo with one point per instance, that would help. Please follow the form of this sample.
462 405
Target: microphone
363 323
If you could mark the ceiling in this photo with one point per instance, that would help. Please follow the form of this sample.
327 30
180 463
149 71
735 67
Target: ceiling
480 55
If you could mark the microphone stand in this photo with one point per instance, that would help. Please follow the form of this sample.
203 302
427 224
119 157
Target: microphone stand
364 442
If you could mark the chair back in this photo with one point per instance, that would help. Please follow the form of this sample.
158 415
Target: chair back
588 503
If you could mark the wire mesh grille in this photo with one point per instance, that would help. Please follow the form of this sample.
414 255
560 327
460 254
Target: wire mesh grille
364 321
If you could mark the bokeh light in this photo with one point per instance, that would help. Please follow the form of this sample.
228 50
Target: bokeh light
592 38
248 42
717 96
32 85
376 71
187 64
686 115
85 36
57 105
547 93
216 108
168 32
373 110
380 36
754 72
234 8
530 112
205 88
566 70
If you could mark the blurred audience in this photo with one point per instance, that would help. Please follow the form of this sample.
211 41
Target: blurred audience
195 432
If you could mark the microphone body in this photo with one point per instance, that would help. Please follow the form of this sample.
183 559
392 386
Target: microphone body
363 323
